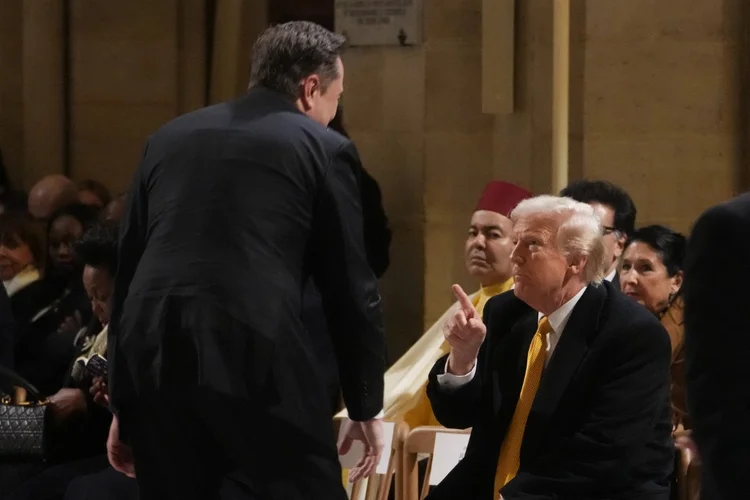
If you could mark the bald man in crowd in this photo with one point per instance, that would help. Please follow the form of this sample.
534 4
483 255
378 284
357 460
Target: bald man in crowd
51 193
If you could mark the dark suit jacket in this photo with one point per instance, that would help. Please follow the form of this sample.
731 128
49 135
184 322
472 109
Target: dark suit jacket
232 209
600 425
377 247
717 346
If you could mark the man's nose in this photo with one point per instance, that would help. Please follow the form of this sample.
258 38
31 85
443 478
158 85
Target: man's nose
515 256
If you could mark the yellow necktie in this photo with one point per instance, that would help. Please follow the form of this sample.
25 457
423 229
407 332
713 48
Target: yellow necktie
510 452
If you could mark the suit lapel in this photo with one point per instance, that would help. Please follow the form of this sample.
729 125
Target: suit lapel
570 351
517 341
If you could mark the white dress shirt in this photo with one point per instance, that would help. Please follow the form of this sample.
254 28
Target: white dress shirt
557 321
611 276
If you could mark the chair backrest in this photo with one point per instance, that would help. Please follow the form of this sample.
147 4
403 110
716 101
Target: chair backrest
420 443
378 486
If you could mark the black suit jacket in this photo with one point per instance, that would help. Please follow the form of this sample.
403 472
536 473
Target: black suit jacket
232 209
600 425
717 346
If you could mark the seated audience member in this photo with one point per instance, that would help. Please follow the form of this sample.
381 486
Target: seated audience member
651 273
617 212
487 255
51 193
93 193
21 251
21 258
45 347
565 382
78 429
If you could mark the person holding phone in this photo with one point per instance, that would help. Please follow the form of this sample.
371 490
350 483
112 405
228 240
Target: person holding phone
79 427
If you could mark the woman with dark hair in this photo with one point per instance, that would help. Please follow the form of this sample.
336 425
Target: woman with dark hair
651 272
21 252
45 346
78 427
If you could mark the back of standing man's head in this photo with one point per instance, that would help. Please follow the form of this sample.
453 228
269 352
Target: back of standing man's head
608 194
287 53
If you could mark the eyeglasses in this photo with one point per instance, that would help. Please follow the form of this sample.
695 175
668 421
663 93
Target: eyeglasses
608 230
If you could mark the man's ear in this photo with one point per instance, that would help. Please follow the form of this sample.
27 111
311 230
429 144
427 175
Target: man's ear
577 264
310 87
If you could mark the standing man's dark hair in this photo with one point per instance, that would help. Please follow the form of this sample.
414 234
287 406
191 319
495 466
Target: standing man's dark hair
301 60
617 212
286 54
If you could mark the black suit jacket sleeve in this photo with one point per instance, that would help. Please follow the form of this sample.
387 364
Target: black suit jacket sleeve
458 408
132 242
619 419
717 341
348 286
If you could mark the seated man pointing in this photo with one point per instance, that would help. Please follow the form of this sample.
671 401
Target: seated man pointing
565 381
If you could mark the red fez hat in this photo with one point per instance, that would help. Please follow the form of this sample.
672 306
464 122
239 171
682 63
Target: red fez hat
502 197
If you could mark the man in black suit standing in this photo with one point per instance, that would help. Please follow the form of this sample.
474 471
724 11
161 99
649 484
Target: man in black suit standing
717 346
617 212
567 385
233 208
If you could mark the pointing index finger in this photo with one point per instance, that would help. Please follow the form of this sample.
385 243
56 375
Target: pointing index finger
463 300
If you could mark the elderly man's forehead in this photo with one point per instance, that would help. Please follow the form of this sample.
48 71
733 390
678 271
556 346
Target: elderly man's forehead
544 223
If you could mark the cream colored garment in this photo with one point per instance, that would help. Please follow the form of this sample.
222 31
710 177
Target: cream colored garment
21 280
406 378
92 345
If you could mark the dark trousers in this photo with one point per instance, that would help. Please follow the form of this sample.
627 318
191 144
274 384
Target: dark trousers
105 485
206 446
50 482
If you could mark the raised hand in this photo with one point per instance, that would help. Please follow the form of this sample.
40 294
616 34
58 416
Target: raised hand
465 333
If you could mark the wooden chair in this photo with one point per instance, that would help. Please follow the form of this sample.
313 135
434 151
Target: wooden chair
420 442
378 486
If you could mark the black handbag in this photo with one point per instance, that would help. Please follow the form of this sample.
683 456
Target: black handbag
22 426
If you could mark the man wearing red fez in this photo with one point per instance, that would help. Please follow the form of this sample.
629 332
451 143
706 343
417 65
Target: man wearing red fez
487 253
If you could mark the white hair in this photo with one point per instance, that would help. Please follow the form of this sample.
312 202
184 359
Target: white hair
579 233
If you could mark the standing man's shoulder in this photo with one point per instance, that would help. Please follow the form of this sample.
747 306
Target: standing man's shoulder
724 218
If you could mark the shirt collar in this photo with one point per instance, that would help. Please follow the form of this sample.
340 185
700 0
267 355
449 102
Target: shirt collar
559 318
611 276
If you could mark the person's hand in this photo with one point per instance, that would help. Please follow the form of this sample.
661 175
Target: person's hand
370 433
67 402
119 454
465 333
100 391
684 441
71 324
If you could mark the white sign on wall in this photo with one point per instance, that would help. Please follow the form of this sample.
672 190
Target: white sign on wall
380 22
